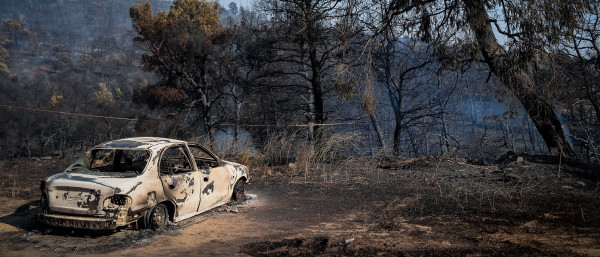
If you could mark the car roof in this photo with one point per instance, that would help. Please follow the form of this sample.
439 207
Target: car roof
141 142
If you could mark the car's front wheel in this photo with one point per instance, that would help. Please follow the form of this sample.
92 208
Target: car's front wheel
239 193
157 217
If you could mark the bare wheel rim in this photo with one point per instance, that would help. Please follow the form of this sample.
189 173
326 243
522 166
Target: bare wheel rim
159 217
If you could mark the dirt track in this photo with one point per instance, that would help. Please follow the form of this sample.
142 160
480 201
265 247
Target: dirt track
430 207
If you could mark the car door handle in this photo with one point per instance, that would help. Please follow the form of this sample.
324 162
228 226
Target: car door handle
205 179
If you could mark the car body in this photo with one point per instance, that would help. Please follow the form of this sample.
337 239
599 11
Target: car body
148 180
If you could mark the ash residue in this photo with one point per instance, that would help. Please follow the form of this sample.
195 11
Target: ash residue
73 241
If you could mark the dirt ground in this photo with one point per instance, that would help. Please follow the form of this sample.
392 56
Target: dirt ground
517 206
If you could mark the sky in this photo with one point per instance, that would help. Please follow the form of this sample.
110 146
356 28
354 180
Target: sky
244 3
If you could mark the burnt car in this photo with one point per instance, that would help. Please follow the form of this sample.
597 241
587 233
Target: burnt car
147 180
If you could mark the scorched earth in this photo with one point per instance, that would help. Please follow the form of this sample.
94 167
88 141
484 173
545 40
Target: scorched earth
517 206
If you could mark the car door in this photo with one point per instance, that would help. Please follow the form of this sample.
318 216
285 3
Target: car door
180 180
215 178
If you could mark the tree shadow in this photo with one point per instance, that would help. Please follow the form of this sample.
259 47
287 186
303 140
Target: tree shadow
24 217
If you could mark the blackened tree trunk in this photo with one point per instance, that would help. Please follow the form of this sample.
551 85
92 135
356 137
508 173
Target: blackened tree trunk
377 131
317 91
397 134
517 78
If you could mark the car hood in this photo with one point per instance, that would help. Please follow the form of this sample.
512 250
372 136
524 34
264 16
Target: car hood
84 194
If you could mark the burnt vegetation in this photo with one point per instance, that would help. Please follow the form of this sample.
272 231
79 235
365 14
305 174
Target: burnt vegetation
400 79
488 111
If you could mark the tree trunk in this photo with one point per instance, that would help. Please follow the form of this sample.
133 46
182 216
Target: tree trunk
445 145
518 80
594 101
206 118
377 131
589 84
208 126
395 94
238 117
317 92
413 144
524 129
396 101
397 131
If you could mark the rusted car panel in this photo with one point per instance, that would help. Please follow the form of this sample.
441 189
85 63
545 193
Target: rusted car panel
144 179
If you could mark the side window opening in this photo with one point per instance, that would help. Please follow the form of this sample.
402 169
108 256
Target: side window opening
175 160
102 160
133 160
203 158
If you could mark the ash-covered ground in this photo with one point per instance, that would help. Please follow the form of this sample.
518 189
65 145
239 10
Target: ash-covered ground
519 205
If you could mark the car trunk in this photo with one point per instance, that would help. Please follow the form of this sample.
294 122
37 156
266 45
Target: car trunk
77 196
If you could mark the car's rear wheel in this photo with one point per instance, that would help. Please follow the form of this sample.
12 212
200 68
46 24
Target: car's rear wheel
239 192
157 217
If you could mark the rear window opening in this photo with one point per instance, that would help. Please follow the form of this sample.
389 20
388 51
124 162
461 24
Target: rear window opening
113 162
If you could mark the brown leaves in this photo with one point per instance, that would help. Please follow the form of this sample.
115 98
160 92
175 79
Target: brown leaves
186 22
156 96
102 97
179 41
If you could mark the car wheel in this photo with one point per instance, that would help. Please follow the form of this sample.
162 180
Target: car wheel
157 218
239 193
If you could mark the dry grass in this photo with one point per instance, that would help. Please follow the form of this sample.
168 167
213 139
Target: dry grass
21 177
289 152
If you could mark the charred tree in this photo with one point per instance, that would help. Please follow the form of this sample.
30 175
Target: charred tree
518 78
178 48
311 41
529 29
